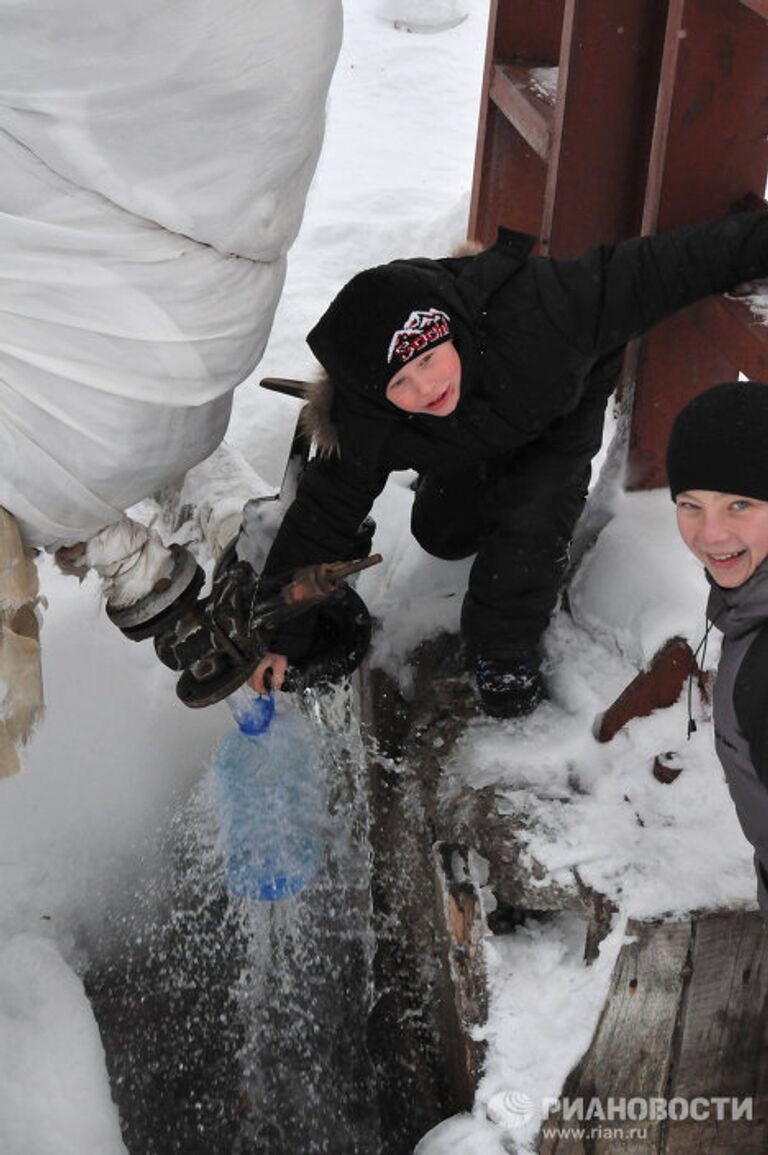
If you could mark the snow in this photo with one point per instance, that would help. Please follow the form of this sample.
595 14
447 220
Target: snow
116 754
55 1095
544 83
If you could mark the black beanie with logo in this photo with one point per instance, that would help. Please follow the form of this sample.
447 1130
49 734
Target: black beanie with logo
382 319
719 442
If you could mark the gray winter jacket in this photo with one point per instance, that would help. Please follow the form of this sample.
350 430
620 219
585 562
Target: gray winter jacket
741 709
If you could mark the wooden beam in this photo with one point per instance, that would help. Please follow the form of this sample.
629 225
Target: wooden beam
685 1023
656 688
516 94
731 324
722 1050
631 1050
758 6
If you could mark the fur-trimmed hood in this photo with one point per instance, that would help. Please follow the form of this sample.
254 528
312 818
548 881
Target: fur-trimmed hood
316 417
465 280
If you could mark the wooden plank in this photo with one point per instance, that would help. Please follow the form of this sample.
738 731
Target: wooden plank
723 1039
631 1050
526 31
758 6
603 123
712 341
515 94
418 1033
510 186
675 363
483 143
731 324
710 148
710 144
509 175
655 688
658 154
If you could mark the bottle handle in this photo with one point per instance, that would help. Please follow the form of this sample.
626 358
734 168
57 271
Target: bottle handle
253 712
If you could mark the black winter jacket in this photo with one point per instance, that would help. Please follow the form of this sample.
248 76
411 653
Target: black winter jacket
537 337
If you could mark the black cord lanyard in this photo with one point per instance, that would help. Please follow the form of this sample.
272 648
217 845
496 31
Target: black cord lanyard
700 649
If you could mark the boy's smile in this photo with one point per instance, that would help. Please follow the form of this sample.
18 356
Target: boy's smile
727 532
431 383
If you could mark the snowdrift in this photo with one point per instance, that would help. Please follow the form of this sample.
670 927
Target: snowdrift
156 159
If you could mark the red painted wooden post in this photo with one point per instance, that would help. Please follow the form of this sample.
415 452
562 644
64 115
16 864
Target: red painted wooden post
608 70
566 120
655 688
709 150
602 118
515 119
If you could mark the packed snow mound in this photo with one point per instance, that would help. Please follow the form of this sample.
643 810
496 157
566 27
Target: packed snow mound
52 1060
623 591
156 163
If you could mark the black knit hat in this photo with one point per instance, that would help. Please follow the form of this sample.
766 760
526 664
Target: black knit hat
380 320
719 441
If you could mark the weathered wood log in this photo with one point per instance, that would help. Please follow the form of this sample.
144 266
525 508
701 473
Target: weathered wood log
684 1032
518 881
631 1051
429 965
722 1040
465 931
429 977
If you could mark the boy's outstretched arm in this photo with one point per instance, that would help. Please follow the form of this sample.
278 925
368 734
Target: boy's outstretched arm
612 294
321 523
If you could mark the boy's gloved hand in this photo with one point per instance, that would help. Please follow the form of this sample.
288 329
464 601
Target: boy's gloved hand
219 643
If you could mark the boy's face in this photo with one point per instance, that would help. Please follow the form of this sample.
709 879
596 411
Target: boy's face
726 532
431 383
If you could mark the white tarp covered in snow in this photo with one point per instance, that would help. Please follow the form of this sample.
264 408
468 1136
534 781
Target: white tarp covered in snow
155 159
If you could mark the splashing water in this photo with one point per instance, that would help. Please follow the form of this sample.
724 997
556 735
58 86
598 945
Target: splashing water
240 1026
306 991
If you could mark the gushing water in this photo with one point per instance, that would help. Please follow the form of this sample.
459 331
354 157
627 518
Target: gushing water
306 989
239 1026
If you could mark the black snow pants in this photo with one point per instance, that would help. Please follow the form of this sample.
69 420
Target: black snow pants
517 513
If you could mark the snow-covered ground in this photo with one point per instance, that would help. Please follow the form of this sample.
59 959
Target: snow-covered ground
116 754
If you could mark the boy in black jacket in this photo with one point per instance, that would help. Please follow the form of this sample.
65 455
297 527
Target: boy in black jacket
718 476
489 375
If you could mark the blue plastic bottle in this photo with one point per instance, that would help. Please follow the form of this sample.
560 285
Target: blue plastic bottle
270 800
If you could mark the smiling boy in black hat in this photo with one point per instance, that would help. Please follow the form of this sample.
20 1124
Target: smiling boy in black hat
489 376
717 466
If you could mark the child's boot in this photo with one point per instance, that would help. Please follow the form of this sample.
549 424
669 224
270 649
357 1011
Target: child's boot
510 687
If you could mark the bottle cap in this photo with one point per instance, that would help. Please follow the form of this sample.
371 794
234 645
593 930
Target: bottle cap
253 712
